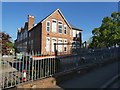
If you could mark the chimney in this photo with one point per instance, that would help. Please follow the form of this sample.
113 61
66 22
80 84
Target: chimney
30 21
19 29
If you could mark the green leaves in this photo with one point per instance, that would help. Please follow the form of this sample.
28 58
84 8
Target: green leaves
6 43
108 34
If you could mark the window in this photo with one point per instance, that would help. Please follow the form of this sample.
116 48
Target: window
65 46
22 36
48 26
65 29
29 34
26 33
59 46
48 44
26 43
53 41
65 49
31 44
20 47
78 34
60 27
54 25
74 33
18 37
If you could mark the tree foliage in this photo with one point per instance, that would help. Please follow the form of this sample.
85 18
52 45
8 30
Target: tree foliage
6 43
108 34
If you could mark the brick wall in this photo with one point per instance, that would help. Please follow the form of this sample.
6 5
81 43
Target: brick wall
56 35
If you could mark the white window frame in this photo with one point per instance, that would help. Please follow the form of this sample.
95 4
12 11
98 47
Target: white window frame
58 26
54 29
48 26
29 34
64 29
60 46
74 33
53 43
78 33
65 41
47 44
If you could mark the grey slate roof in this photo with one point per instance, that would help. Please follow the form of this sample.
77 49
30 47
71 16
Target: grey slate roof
73 27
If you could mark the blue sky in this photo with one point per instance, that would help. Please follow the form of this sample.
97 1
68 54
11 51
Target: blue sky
84 15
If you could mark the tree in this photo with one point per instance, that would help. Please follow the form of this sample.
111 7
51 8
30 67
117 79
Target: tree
6 43
108 34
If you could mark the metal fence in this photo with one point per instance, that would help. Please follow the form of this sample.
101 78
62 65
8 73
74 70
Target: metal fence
29 68
83 57
32 67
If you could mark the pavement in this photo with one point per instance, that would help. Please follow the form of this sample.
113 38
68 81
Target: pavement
93 79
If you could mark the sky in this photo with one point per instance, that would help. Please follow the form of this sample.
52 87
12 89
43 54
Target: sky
84 15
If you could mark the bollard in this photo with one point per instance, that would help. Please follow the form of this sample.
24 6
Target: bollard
24 75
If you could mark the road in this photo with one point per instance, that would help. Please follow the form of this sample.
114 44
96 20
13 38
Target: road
115 84
93 79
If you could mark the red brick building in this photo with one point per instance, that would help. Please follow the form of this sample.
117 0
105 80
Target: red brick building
42 36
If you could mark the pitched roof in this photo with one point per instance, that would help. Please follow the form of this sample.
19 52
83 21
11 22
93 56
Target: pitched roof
60 14
73 27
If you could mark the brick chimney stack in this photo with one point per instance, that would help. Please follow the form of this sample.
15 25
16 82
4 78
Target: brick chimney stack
19 29
30 21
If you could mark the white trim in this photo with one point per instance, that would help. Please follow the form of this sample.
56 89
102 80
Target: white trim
65 40
65 45
64 18
66 29
58 26
60 46
47 26
55 25
61 15
47 49
54 20
60 21
53 44
74 33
